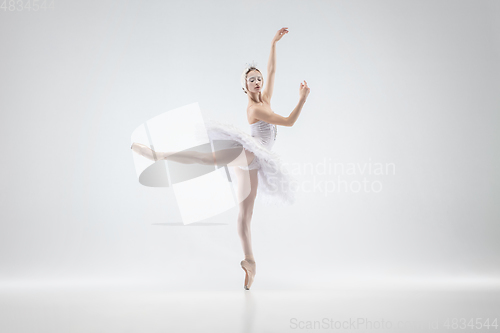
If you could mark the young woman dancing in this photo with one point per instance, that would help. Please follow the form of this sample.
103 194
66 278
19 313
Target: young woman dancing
254 159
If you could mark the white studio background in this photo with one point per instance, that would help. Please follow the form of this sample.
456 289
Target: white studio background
409 84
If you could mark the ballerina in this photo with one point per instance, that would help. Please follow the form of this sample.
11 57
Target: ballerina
255 161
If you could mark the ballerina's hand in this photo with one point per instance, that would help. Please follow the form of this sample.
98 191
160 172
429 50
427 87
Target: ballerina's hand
280 34
304 90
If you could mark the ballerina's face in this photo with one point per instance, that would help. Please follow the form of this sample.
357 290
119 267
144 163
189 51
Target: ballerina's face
255 81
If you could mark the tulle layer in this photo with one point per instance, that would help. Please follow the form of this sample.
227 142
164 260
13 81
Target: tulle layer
275 180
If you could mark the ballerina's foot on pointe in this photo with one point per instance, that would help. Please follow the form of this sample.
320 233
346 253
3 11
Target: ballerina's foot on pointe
147 152
144 151
249 266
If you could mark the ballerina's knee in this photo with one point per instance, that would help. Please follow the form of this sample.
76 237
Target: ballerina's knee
207 159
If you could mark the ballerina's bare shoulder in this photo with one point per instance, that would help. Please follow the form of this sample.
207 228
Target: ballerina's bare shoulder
264 104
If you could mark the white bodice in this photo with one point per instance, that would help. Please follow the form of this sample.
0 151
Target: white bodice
264 132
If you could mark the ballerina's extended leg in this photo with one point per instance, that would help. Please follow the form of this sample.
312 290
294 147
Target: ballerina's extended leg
185 157
230 157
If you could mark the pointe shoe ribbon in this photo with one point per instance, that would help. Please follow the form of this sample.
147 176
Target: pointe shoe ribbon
250 269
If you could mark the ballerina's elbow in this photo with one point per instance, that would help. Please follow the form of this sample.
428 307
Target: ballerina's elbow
289 122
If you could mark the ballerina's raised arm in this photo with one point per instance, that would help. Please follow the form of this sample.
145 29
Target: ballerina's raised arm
265 114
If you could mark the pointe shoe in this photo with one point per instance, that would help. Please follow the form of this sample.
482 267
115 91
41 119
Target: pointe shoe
249 269
144 151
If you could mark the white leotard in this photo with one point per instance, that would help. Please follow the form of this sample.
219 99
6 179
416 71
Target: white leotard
264 132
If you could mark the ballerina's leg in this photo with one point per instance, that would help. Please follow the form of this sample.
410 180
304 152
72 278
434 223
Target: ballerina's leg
246 205
230 157
185 157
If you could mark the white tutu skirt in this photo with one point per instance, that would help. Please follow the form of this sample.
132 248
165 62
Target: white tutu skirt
275 181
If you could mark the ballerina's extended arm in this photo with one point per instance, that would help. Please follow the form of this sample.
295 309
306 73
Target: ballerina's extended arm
264 114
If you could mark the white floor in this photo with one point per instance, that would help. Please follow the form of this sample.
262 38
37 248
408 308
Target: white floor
348 307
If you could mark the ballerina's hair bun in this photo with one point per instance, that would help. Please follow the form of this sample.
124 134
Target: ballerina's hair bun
249 67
